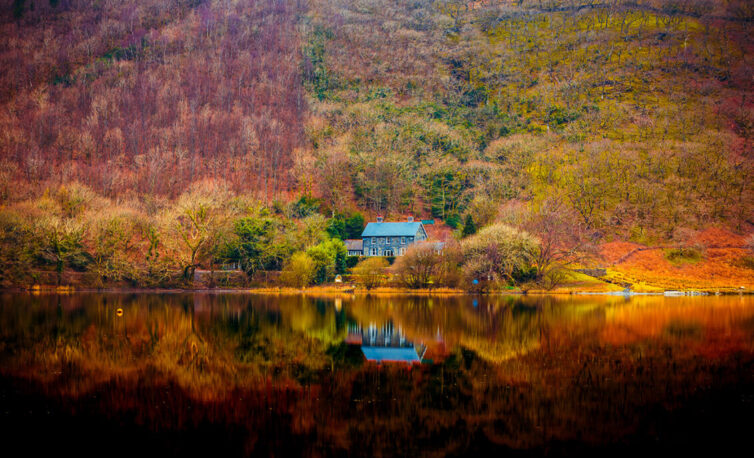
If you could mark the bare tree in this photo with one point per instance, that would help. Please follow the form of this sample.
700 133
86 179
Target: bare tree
419 267
563 239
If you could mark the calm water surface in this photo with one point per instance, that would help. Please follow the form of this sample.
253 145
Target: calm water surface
237 374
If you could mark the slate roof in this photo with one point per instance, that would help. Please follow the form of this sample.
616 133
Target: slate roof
391 229
354 244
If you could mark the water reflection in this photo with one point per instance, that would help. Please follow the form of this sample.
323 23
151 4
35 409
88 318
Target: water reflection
384 343
298 375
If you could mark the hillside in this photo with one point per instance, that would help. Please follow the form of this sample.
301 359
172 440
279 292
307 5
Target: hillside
149 96
637 114
609 121
712 259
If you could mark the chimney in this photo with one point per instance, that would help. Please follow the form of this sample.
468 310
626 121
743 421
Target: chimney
379 219
410 219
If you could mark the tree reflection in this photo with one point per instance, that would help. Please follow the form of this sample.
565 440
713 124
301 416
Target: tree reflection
533 373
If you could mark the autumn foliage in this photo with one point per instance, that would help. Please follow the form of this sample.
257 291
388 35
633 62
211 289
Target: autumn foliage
580 122
721 263
150 96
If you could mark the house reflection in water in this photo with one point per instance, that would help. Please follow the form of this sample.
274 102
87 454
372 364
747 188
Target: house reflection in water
384 344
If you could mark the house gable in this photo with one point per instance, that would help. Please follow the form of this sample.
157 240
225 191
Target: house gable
421 233
391 238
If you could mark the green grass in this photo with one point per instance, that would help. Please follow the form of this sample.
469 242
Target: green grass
686 255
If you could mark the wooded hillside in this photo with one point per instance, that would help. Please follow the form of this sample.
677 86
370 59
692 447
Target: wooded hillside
637 117
150 96
637 114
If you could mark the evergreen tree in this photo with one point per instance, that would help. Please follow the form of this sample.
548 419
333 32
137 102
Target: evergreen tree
453 220
355 226
469 228
336 228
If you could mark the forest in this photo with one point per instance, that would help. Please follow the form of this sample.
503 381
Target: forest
141 141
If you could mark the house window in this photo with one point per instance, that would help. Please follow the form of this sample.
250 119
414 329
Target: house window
403 241
382 240
374 240
403 251
388 252
388 240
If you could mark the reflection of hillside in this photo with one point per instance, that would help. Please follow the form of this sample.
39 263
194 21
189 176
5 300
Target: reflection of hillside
495 327
275 370
687 320
210 343
207 344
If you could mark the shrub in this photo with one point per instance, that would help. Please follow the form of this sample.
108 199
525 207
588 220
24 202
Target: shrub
371 272
329 259
17 247
73 199
110 238
351 261
299 270
499 253
61 243
684 255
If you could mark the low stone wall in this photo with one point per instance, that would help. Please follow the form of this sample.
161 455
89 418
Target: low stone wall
599 272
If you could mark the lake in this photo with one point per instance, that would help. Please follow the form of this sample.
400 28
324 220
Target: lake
233 374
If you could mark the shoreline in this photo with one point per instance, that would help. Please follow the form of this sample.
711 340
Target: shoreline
384 291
